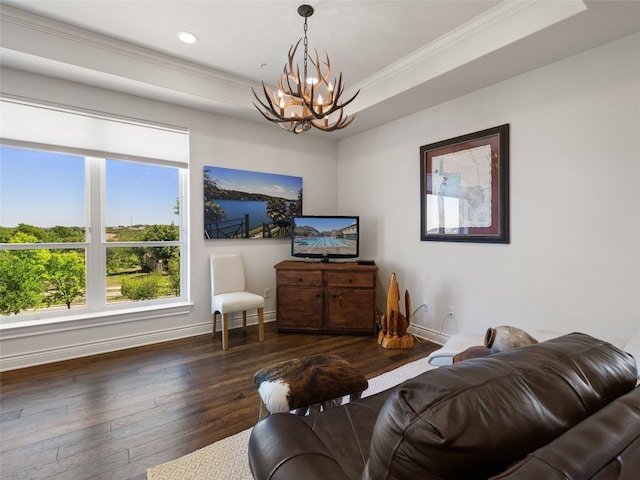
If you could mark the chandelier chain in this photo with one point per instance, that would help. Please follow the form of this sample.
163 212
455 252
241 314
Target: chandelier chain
306 42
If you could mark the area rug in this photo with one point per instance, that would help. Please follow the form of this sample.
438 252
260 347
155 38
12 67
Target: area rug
227 459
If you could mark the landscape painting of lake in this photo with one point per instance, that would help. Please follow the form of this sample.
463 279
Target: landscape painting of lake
245 204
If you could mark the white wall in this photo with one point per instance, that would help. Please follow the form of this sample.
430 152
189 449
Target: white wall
573 263
214 141
574 258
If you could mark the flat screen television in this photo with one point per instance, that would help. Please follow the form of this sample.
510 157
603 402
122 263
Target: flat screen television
325 237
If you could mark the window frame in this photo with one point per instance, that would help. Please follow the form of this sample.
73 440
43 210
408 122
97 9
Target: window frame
95 246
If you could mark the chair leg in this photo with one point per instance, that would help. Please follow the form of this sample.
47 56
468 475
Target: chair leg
244 321
261 323
225 331
213 335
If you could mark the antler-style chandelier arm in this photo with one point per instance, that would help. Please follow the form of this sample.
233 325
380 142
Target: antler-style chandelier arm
270 112
295 106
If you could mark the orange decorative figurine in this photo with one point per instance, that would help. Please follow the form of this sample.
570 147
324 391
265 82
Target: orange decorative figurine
393 333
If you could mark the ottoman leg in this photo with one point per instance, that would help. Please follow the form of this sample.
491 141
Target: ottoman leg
355 396
315 408
302 411
336 402
263 410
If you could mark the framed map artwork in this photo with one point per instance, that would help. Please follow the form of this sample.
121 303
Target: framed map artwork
464 188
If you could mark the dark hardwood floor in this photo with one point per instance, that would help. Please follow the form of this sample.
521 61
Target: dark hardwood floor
112 416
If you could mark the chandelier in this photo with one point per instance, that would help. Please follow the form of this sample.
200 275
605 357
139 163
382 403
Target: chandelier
307 100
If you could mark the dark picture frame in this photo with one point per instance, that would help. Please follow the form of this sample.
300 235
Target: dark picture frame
464 188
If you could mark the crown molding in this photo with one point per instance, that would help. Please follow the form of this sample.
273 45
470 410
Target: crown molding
85 39
505 23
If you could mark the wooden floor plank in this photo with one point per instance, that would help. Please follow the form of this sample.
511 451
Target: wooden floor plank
112 416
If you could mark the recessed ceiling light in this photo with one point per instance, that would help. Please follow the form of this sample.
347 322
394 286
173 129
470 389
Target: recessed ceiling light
187 37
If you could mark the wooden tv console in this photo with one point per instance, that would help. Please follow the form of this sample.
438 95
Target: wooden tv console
326 297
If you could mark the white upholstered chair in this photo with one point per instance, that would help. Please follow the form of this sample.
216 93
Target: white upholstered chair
229 295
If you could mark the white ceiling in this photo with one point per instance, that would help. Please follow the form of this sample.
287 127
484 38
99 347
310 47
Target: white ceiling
404 56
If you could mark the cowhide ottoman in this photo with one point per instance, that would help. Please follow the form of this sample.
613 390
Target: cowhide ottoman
315 382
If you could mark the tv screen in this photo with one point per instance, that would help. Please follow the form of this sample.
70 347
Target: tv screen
325 237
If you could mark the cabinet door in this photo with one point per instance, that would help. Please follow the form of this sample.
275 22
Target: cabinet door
299 308
351 309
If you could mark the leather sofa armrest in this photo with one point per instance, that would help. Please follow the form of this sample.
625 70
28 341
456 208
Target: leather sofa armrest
604 445
282 446
475 418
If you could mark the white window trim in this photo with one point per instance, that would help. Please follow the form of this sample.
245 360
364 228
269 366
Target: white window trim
96 306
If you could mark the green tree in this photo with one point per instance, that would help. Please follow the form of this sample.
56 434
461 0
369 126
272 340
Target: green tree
39 235
173 268
142 288
295 208
155 233
22 276
67 234
126 234
211 189
277 209
120 259
65 276
5 234
212 211
160 233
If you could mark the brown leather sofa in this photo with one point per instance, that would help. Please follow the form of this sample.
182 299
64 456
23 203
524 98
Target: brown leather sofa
561 409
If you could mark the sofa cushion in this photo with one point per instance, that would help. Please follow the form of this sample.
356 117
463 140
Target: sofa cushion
455 345
474 418
471 352
579 453
461 341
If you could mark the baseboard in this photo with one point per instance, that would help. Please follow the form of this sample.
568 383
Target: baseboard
40 357
94 348
428 334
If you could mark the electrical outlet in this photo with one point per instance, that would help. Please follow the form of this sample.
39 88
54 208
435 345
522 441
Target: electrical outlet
452 312
267 293
425 306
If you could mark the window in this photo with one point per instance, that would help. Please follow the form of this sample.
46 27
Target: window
89 233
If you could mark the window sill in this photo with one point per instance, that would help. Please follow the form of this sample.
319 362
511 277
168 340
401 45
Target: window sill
13 329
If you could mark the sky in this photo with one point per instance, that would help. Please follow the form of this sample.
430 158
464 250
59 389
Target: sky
141 194
271 184
47 189
325 224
